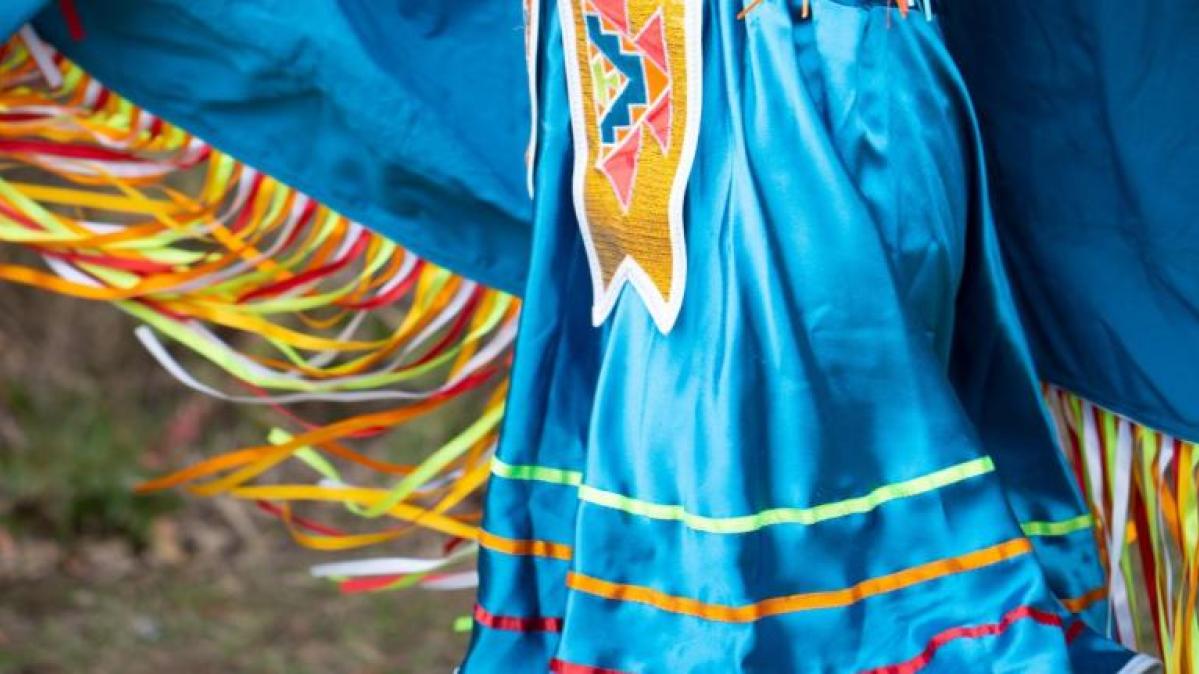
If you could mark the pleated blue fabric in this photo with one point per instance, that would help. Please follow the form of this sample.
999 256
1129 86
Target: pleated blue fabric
844 405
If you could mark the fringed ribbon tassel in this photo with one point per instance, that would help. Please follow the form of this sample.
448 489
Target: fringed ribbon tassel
293 301
1141 487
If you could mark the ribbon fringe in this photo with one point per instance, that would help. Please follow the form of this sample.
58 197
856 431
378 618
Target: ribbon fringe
291 300
1141 487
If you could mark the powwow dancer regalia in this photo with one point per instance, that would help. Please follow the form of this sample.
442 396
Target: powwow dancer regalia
772 404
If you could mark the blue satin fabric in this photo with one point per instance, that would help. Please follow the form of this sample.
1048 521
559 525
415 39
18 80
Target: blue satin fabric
14 13
411 117
1088 110
847 324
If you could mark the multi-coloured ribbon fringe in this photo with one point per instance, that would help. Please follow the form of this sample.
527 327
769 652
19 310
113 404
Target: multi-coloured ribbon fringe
1141 486
292 300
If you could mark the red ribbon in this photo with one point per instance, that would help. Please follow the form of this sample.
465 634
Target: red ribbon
563 667
973 632
517 623
70 13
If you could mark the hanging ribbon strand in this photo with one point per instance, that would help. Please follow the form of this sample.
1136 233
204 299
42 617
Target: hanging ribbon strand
1141 487
294 302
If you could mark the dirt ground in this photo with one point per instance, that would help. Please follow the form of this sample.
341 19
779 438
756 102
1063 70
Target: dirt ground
111 613
97 580
103 611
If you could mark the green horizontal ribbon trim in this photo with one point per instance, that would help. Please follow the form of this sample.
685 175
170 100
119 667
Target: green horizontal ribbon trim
570 478
806 516
1061 528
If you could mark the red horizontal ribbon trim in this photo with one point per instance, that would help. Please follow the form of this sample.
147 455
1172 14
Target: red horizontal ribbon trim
1075 631
563 667
975 632
517 623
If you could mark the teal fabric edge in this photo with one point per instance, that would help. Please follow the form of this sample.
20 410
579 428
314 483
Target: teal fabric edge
501 264
14 14
1152 419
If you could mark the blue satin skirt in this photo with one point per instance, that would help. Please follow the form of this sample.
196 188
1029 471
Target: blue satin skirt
837 460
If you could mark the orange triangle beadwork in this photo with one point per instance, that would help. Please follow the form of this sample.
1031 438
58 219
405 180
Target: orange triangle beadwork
635 85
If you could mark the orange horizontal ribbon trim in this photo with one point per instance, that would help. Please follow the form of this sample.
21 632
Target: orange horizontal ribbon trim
1079 604
531 548
805 601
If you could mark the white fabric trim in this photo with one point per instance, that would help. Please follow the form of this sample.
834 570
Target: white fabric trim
42 55
532 52
1141 664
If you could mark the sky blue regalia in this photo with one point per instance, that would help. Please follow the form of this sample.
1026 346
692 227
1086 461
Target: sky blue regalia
774 404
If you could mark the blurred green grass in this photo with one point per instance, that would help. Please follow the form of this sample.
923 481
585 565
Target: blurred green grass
73 471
